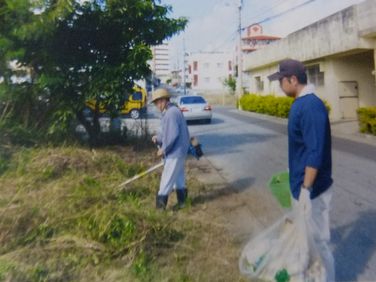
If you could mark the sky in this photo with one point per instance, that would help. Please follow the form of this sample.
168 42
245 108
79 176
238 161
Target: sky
213 24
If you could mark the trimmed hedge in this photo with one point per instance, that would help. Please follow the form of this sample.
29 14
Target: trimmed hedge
367 120
270 105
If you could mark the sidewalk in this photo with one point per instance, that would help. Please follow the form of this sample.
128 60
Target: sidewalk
345 129
349 129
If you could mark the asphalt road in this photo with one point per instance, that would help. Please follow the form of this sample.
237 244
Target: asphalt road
248 149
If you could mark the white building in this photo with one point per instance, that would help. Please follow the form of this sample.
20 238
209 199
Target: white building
339 53
208 70
160 64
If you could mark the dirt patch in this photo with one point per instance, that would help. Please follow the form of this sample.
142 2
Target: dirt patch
242 214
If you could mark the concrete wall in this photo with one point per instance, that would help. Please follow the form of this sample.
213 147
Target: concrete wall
335 34
366 18
353 68
269 87
356 68
344 47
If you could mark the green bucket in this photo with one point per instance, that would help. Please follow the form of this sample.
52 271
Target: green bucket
280 187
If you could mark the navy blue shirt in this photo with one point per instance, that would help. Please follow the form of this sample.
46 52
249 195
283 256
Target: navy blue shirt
309 141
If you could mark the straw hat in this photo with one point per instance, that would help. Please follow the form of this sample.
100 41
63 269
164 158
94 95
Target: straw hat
159 94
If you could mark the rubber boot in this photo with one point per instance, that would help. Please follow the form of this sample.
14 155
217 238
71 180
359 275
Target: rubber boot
181 195
161 202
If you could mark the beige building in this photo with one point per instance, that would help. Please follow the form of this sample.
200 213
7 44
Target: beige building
160 64
339 53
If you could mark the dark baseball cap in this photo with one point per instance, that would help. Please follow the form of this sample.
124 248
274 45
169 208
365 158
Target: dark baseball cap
288 68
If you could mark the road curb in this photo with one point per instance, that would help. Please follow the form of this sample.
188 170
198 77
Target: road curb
359 137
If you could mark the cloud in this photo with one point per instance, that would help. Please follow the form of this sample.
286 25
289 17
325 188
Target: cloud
213 29
303 16
213 26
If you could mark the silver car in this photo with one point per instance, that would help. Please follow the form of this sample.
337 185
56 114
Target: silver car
194 108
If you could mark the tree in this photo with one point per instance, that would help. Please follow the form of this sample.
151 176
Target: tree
72 51
230 83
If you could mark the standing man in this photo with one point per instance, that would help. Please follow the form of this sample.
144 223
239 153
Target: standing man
309 150
173 142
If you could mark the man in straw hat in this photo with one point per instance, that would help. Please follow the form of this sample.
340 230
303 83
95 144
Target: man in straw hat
173 141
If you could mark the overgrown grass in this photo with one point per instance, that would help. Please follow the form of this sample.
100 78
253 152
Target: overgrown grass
63 219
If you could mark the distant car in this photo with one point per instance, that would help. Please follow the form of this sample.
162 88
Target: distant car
188 91
194 108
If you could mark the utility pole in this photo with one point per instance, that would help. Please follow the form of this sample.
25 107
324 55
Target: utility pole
184 82
240 53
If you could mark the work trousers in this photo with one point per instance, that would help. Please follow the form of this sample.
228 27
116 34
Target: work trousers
321 231
173 176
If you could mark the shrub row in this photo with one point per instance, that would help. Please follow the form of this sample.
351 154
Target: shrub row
270 105
367 120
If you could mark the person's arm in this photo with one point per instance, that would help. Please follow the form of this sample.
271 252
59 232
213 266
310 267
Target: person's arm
157 138
171 132
309 177
314 125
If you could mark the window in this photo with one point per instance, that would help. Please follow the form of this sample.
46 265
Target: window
315 76
195 80
189 69
137 96
229 65
192 100
259 84
195 65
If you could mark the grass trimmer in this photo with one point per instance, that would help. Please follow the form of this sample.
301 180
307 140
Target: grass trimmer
194 150
141 174
155 167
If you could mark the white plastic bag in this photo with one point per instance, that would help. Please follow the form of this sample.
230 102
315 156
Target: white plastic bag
285 251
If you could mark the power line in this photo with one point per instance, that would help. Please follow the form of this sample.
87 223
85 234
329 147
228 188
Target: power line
283 13
278 3
267 9
227 40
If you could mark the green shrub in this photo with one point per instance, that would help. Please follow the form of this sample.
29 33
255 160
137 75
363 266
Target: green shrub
327 106
367 120
270 105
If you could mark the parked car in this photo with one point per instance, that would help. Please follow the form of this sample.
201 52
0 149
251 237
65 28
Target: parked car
188 91
194 108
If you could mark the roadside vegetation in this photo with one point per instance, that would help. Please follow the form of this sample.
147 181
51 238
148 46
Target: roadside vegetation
57 55
269 104
63 219
367 120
